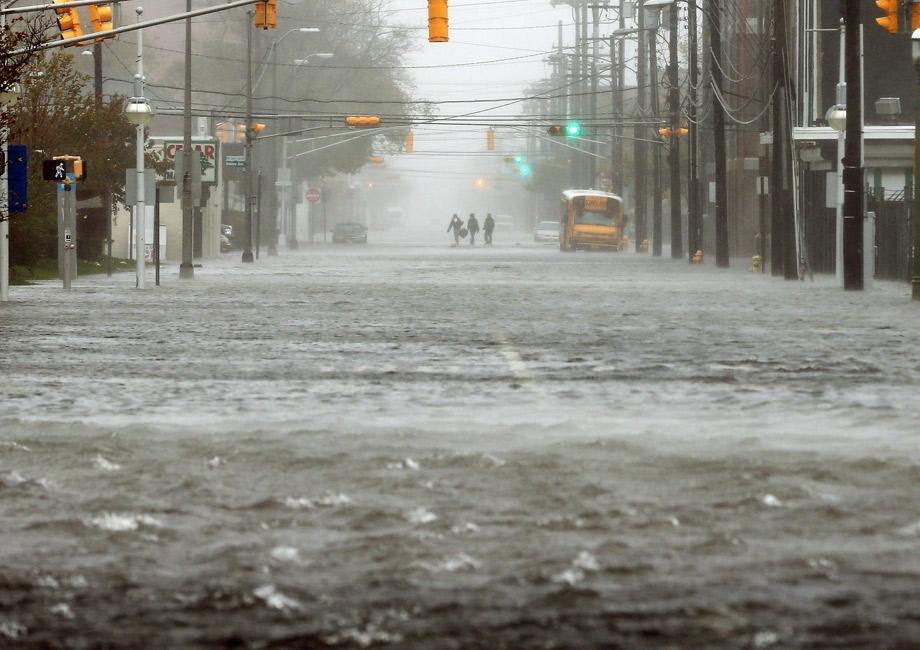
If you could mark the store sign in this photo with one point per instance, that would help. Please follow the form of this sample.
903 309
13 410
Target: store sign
168 148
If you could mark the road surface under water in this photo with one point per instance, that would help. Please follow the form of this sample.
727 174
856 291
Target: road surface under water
426 447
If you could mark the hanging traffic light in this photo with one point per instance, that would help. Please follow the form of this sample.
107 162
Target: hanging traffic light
410 142
490 139
519 158
914 15
100 15
524 170
890 20
68 21
573 129
257 128
556 130
267 14
665 131
437 21
362 120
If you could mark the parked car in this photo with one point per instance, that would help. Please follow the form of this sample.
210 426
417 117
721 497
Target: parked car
349 233
547 232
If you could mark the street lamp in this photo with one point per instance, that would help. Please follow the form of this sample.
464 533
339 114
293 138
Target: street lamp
273 226
8 97
318 55
915 281
139 113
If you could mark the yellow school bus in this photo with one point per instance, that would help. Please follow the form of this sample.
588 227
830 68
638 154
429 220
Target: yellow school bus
591 220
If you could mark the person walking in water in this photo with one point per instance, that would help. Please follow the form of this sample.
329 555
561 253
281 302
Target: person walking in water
473 226
487 227
456 224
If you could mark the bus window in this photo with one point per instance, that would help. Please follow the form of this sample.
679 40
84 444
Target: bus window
594 218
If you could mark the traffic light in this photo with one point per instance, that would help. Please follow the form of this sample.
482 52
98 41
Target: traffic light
490 139
665 131
519 158
362 120
524 170
556 130
914 15
437 21
267 14
573 129
101 16
410 142
890 20
68 21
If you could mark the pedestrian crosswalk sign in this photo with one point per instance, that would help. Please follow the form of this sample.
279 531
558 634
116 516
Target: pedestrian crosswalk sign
54 170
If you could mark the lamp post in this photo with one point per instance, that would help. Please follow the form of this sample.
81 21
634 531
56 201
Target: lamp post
139 112
273 213
7 98
915 281
836 118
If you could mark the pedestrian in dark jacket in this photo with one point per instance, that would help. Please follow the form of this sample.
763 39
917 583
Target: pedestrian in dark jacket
487 227
456 224
473 226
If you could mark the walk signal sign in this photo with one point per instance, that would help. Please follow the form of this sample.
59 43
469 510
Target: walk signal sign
59 168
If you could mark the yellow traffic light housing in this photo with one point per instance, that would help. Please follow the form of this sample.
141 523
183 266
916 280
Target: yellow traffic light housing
101 16
410 142
257 127
890 20
665 132
437 21
68 21
556 130
267 14
362 120
490 139
914 16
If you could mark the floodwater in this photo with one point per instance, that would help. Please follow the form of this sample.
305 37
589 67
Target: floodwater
426 447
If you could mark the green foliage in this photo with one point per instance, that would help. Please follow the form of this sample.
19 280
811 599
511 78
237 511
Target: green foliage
57 117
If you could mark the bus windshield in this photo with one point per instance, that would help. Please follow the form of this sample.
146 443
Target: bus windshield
594 218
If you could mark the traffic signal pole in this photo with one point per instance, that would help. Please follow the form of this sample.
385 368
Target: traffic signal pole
640 134
186 268
718 120
674 153
853 172
140 225
656 148
247 252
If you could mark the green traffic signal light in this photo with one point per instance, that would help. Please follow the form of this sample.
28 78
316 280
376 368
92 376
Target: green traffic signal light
519 158
525 170
573 129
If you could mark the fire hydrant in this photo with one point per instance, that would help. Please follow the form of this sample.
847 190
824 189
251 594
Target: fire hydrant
697 257
755 264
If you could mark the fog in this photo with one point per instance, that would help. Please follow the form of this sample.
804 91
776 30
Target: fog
644 415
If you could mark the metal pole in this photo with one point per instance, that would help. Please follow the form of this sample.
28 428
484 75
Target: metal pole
273 172
718 118
776 162
4 210
656 149
66 235
853 172
156 235
915 280
674 154
841 144
139 219
595 45
187 268
640 133
247 252
259 214
694 216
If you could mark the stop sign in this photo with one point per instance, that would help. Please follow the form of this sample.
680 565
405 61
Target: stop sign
314 195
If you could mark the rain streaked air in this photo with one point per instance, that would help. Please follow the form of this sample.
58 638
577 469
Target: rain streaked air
415 324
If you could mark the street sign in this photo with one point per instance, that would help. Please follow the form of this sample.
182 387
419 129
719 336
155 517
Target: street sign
314 195
235 161
131 186
18 173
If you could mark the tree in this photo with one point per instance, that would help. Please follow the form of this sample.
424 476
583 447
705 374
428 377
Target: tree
56 116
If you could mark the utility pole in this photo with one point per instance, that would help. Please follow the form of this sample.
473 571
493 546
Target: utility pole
140 218
656 148
853 172
247 252
694 216
595 52
616 142
273 169
107 198
776 161
915 280
674 153
718 115
639 134
187 268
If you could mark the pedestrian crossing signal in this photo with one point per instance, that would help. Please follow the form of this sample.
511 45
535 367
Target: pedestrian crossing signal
60 170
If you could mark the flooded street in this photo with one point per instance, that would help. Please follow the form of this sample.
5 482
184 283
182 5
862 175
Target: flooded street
426 447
